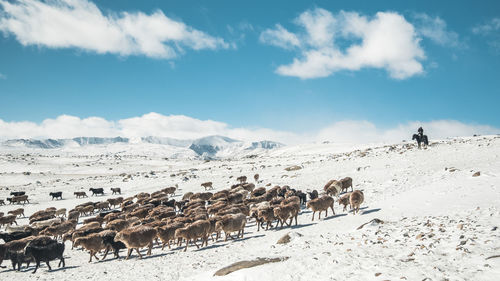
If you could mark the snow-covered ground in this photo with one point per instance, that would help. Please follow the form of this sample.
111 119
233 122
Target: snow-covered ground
439 223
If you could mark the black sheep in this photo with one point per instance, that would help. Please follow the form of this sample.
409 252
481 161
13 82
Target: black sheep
18 258
313 194
7 237
46 251
302 196
96 191
109 241
56 195
17 193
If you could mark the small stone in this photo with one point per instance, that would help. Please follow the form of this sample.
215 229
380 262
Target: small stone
378 274
476 174
460 226
420 236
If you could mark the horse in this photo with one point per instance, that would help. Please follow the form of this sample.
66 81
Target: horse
421 139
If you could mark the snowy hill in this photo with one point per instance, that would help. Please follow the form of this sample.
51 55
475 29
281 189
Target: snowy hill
209 147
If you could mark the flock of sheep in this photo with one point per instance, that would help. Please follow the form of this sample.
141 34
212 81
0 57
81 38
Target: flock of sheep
144 219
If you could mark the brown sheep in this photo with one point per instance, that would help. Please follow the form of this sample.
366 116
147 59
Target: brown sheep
137 237
355 199
61 212
193 231
321 204
102 206
285 212
97 219
346 183
88 210
116 190
60 229
248 187
258 192
93 243
242 179
187 196
167 233
17 212
344 200
73 215
235 198
334 188
266 215
170 190
80 194
231 223
207 185
202 196
113 202
10 219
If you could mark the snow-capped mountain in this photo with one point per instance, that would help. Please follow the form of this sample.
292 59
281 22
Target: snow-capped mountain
209 147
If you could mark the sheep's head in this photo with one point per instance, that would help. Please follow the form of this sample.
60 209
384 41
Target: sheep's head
219 225
118 237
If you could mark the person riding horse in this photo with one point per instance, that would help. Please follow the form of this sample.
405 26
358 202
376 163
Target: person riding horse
421 138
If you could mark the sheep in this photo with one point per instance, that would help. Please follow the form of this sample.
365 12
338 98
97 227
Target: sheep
18 258
15 245
321 204
61 212
73 215
116 190
207 185
13 236
17 193
266 215
11 228
355 199
170 190
137 237
96 191
313 194
235 198
346 183
108 238
118 225
45 250
60 229
230 223
256 177
242 179
258 192
19 199
80 194
103 206
167 233
287 211
113 202
82 232
248 187
202 195
334 188
17 212
56 195
10 219
87 210
93 243
344 200
193 231
47 222
187 195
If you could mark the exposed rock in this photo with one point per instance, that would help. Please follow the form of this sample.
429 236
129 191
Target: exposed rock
247 264
293 168
373 222
476 174
288 237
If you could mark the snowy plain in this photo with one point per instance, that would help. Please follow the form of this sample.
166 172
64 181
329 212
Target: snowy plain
439 223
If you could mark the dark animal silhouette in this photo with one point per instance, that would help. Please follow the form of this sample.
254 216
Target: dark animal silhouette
116 190
56 195
420 139
17 193
96 191
46 252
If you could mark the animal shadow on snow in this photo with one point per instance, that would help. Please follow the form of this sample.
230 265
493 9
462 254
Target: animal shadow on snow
299 226
334 216
370 211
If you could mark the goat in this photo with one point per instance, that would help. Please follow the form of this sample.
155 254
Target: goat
56 195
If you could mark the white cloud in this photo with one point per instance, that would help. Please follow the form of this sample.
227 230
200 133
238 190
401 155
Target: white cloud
491 31
279 37
385 41
184 127
81 24
492 25
436 30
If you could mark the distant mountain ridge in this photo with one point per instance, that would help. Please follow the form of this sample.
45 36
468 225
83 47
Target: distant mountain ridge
206 147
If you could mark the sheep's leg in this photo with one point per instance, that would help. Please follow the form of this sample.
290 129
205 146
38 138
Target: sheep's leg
242 231
319 217
37 266
296 219
314 212
168 243
91 254
106 252
48 265
187 243
150 248
163 245
138 252
128 253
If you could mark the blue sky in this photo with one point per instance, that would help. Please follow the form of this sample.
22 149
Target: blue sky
231 72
